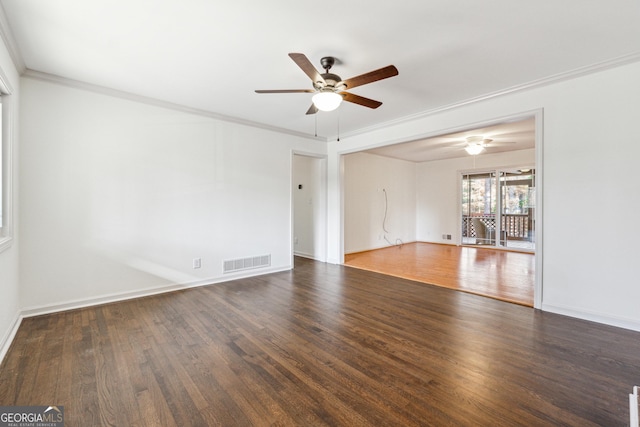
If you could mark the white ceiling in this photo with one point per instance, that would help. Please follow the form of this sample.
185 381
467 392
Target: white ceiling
507 136
211 55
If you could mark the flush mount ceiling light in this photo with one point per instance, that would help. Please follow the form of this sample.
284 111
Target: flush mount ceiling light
326 100
476 145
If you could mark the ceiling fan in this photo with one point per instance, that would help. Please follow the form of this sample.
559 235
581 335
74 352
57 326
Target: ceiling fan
329 89
477 144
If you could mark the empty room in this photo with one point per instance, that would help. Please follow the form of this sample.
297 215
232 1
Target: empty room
186 187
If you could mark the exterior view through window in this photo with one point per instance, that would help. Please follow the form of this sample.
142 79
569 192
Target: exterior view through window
498 209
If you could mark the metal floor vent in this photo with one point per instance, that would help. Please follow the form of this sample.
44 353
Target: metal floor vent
232 265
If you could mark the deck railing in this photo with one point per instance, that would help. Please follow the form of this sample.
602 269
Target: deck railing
516 226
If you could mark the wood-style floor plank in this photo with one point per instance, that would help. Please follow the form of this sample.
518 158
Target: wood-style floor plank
322 345
504 275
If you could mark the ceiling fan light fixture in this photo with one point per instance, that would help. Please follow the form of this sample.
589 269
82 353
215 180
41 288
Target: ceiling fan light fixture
476 144
474 149
326 100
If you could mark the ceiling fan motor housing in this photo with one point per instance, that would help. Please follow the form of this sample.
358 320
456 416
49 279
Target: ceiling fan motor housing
330 79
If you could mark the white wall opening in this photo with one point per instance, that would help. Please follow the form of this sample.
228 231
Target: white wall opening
347 221
309 206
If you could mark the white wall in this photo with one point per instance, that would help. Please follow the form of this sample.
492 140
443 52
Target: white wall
590 152
9 247
119 197
438 191
366 179
309 207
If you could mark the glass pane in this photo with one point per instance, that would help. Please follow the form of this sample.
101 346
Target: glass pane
518 205
478 209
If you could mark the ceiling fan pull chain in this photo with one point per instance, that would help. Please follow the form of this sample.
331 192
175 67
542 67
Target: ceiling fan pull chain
338 126
316 122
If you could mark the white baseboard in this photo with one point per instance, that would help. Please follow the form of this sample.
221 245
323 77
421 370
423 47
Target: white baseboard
122 296
380 246
7 339
306 255
440 242
606 319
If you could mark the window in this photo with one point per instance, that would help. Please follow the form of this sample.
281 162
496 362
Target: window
1 171
6 232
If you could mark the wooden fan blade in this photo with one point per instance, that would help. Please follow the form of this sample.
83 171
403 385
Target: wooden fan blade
286 91
308 68
312 110
360 100
499 143
372 76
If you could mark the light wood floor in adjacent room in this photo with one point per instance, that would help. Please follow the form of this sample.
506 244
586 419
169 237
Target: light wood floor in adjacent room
504 275
322 345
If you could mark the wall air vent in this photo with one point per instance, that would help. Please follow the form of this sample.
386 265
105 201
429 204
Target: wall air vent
240 264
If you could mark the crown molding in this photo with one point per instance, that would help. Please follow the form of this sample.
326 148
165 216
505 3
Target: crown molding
10 42
76 84
546 81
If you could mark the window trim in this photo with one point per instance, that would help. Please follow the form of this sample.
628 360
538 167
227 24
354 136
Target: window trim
6 180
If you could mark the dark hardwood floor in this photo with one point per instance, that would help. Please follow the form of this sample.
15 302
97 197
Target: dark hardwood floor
322 345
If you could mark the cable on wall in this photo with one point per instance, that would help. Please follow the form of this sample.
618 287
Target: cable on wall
398 242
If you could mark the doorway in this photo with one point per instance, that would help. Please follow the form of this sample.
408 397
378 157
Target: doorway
439 159
309 203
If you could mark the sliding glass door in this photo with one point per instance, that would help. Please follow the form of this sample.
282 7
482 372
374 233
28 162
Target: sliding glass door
498 209
518 206
479 205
